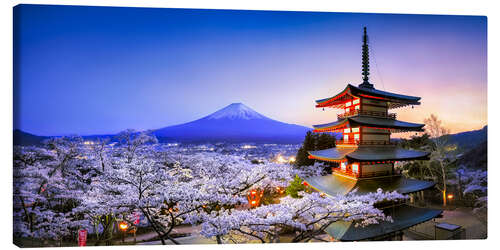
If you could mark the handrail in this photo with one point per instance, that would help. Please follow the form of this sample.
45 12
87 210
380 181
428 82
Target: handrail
365 175
364 142
367 113
346 172
375 174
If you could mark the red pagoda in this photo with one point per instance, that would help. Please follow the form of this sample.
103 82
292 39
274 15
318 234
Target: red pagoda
366 156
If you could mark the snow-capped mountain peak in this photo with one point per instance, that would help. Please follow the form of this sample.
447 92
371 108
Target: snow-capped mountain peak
236 111
233 123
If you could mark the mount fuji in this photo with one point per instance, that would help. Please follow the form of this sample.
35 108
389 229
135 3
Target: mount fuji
234 123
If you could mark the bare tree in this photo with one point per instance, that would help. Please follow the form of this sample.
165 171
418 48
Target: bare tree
441 154
99 150
132 141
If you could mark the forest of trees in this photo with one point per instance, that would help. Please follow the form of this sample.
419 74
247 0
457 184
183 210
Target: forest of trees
313 141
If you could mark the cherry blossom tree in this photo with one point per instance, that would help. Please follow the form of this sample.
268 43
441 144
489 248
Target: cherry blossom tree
476 185
48 185
124 169
308 216
131 142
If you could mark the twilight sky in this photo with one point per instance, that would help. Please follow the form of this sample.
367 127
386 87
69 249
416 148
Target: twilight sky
96 70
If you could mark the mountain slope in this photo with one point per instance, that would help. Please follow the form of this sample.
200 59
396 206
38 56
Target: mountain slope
470 139
27 139
475 158
234 123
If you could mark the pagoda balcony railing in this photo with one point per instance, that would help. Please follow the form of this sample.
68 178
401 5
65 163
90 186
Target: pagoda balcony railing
367 113
346 172
366 175
376 174
365 142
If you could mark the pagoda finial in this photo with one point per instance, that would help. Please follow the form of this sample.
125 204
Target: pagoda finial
366 62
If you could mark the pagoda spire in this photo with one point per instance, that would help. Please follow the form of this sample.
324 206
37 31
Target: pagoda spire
365 62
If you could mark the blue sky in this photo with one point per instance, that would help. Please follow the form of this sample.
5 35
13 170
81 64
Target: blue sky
95 70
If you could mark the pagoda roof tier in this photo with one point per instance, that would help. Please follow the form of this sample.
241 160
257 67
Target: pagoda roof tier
350 92
338 184
331 154
367 154
383 123
404 216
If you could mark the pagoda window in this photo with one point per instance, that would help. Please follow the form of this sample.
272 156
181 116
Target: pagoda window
348 104
357 107
347 130
356 137
355 168
355 130
343 165
346 137
347 110
355 101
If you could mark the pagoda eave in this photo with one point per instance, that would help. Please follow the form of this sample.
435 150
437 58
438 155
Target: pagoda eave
394 100
331 154
404 216
368 154
372 122
338 184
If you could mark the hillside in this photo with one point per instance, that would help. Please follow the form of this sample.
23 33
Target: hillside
26 139
470 139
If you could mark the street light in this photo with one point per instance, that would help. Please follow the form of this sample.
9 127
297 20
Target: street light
123 225
450 197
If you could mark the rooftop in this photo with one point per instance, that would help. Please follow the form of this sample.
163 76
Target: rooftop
359 120
335 184
369 154
394 100
404 216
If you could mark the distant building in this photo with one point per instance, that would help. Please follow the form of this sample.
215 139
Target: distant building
366 156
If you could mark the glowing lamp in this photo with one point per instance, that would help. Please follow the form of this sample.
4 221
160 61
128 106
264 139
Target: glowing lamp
450 196
123 226
280 159
253 202
305 183
254 192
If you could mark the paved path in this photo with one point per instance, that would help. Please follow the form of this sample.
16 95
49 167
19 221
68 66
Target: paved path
193 239
185 229
474 228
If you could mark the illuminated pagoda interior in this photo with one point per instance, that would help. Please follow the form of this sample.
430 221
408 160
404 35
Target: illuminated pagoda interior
366 156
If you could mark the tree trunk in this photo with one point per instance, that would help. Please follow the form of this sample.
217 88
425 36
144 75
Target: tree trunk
443 173
444 198
172 239
219 239
460 192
